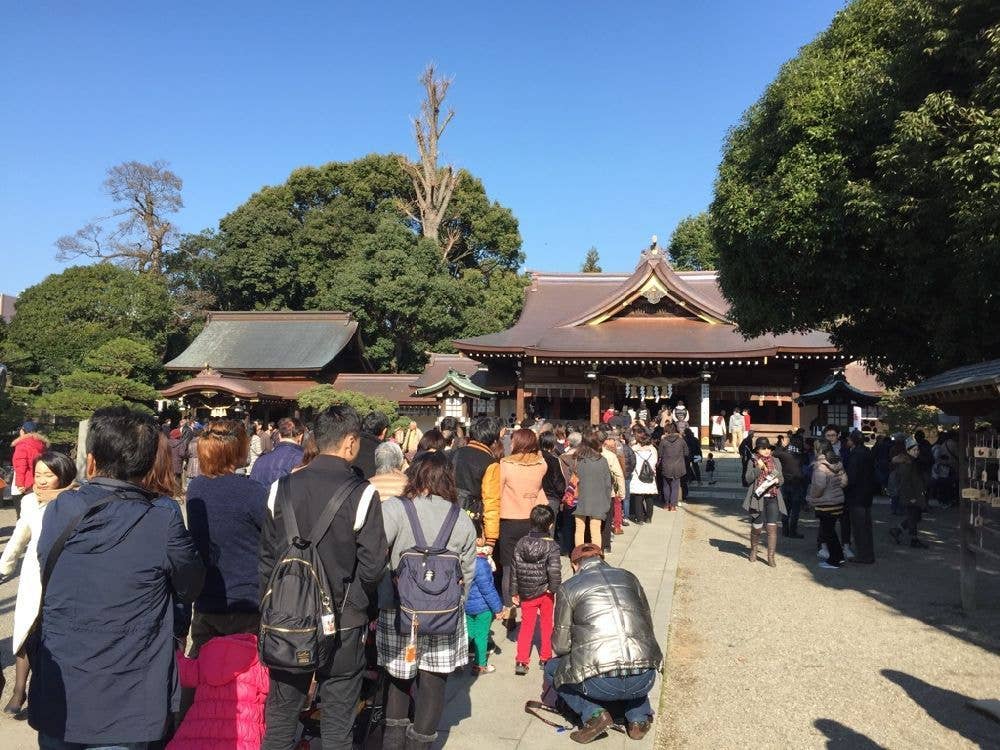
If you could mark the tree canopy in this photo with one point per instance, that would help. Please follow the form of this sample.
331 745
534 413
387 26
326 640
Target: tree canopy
320 397
860 194
692 247
333 237
591 262
66 318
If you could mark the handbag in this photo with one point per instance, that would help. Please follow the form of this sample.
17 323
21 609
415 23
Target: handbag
572 491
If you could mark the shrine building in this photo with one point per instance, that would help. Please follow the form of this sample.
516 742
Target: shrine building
589 341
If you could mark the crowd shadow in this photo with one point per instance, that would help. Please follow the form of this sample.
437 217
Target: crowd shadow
840 737
948 708
917 583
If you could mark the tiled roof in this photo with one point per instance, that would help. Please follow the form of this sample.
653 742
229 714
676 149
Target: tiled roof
561 318
395 387
836 388
982 379
261 341
459 382
239 386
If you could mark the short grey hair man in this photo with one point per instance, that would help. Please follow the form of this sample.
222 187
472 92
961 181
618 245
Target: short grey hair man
574 439
388 458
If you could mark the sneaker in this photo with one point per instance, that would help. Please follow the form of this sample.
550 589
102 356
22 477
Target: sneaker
487 669
827 566
596 726
636 730
848 552
823 553
521 669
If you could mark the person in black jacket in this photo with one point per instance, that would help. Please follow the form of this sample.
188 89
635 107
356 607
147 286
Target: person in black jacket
536 575
553 483
374 427
794 487
104 666
859 494
353 552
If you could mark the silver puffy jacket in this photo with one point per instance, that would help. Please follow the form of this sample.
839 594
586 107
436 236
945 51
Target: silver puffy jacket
602 624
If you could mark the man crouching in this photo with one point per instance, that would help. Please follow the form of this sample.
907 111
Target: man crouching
606 652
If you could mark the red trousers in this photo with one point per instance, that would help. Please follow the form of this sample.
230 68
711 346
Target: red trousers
540 607
616 504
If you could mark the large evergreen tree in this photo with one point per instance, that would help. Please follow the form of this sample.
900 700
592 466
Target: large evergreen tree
334 237
861 194
691 245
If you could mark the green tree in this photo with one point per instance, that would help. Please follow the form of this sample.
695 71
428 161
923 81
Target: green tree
691 245
320 397
111 380
333 237
68 315
592 262
859 195
901 416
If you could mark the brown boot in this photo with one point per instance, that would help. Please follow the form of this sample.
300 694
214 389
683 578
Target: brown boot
596 726
772 543
637 729
754 539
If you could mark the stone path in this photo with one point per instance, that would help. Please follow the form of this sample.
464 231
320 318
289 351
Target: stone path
484 712
863 657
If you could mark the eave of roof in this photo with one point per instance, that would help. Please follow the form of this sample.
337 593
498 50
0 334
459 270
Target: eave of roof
837 385
458 381
980 381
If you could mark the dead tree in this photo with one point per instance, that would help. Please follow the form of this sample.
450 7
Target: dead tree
433 186
145 194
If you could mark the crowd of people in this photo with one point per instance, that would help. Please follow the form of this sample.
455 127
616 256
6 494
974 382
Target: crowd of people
139 606
145 613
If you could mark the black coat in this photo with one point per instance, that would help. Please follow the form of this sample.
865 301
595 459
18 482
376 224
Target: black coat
342 550
553 483
366 454
536 566
861 481
791 464
104 670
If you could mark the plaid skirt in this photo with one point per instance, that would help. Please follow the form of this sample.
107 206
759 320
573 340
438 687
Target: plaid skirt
435 653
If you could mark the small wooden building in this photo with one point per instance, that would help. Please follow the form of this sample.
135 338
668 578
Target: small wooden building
969 393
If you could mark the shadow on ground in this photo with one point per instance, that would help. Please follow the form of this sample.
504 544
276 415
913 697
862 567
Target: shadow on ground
948 708
922 584
839 737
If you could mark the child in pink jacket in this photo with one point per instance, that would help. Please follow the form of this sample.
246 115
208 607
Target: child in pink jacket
228 709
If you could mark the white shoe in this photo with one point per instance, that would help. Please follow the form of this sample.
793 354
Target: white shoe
823 553
848 552
826 566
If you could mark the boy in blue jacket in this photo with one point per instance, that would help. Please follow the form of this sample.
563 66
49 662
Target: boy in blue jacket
482 606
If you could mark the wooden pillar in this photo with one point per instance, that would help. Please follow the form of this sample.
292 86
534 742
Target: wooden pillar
595 402
796 409
966 536
519 402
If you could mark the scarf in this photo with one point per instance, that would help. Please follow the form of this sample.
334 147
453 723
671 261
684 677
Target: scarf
767 471
47 496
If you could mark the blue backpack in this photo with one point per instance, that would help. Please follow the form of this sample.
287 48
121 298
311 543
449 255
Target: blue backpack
429 580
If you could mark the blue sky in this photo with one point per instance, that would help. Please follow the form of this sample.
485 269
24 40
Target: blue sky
597 123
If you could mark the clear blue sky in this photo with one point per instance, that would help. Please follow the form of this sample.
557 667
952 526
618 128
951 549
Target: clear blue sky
597 123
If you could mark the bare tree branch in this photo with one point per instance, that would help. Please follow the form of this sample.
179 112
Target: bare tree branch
433 186
146 194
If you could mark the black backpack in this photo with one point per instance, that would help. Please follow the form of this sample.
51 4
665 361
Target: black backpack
297 615
646 473
429 580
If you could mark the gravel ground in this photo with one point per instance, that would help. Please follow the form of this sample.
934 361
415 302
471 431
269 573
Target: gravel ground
800 657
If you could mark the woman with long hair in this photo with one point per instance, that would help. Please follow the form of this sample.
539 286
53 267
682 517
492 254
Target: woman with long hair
521 476
642 483
430 490
53 473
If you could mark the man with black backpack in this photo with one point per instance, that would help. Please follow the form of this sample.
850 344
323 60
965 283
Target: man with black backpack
351 550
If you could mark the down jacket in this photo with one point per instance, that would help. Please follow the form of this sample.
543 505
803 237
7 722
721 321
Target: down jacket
673 452
602 624
482 595
536 566
826 489
228 709
27 448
